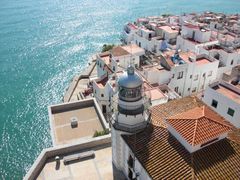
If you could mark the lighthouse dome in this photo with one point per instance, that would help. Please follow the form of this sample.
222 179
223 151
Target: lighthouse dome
130 86
130 79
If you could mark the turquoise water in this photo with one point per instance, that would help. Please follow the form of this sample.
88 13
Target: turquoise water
43 44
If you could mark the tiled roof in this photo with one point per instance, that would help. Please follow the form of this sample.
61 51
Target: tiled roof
199 125
164 157
119 51
166 110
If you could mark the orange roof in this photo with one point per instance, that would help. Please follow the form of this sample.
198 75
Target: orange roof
166 110
163 157
119 51
202 61
199 125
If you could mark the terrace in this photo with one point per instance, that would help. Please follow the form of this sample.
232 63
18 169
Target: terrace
229 90
72 121
90 159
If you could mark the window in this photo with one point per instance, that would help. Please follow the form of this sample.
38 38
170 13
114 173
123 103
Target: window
173 76
210 73
180 75
232 62
127 93
113 68
176 89
102 95
204 74
130 174
130 161
230 112
194 90
190 76
195 77
188 89
139 44
214 103
217 56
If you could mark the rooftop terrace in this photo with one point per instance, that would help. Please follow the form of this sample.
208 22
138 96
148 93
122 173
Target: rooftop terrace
228 92
87 114
99 167
85 159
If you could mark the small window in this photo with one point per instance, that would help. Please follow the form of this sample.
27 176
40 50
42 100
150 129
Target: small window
102 95
195 77
113 68
188 89
176 89
130 174
210 73
180 75
230 112
100 65
232 62
204 74
130 161
190 76
194 90
173 76
214 103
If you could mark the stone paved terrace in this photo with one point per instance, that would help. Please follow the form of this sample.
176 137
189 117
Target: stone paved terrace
89 118
99 167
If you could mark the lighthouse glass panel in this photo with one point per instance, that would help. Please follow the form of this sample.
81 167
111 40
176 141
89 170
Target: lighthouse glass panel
130 94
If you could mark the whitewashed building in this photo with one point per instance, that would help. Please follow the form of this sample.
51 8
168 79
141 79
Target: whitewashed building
224 96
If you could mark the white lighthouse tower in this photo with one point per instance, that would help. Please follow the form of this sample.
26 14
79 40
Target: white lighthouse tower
130 115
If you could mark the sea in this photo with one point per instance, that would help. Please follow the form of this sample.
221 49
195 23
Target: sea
43 44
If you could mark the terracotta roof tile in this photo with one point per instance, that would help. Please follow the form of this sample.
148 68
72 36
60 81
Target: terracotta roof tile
199 125
119 51
163 157
166 110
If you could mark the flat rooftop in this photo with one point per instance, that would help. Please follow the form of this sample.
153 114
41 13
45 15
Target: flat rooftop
202 61
155 94
88 116
99 167
168 29
133 49
231 94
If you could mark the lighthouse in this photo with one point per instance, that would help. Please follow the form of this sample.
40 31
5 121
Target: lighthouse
130 115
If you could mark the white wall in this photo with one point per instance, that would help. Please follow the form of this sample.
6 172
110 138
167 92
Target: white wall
100 67
223 104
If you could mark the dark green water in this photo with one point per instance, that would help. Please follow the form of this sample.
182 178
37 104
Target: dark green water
43 44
